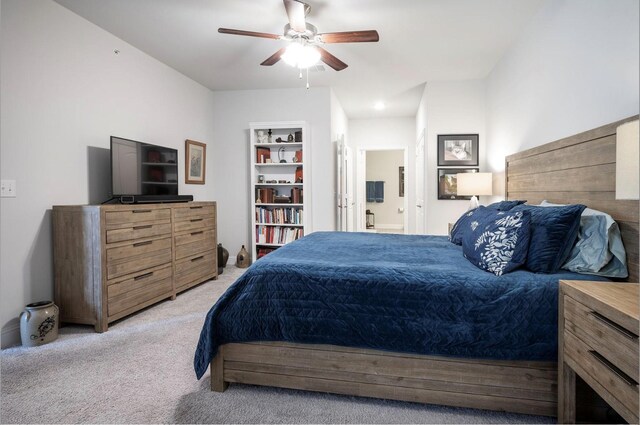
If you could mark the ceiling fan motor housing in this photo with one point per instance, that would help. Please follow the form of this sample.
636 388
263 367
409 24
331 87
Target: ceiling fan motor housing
310 33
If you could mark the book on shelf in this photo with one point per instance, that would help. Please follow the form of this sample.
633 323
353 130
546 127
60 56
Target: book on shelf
262 154
277 235
298 156
296 195
264 251
281 199
290 215
266 195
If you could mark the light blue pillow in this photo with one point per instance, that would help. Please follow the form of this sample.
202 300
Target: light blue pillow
599 249
497 241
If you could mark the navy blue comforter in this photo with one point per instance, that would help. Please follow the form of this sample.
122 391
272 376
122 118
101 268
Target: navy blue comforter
414 294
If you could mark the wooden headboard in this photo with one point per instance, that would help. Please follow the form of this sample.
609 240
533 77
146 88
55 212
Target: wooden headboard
579 169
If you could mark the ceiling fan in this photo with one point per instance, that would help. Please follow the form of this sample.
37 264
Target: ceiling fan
304 49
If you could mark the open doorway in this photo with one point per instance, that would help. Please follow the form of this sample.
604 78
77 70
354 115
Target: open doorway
382 197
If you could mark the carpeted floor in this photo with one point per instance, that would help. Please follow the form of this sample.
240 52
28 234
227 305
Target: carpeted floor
140 371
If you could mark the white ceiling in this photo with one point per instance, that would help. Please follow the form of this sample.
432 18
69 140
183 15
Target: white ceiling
420 41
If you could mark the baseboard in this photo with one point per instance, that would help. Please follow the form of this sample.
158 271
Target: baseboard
389 226
10 336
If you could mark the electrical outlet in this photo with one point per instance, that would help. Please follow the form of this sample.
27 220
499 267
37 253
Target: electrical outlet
8 188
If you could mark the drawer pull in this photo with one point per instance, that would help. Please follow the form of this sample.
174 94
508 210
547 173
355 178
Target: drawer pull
197 233
195 208
193 220
140 211
613 325
142 276
197 258
143 243
613 368
148 226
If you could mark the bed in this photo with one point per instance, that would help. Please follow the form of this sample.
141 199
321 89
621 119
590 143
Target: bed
488 342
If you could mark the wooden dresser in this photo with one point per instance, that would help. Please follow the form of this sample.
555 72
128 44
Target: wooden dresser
598 341
113 260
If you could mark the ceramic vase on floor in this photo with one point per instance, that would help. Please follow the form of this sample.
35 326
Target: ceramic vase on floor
223 257
242 259
39 323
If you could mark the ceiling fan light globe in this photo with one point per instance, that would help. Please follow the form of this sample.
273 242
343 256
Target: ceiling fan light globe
301 56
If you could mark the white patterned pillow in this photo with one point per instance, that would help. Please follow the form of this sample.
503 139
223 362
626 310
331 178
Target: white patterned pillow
497 241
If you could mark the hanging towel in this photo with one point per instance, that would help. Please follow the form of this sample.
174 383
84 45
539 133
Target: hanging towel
371 192
379 191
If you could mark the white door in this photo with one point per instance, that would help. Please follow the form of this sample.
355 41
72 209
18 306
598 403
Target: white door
349 199
345 198
420 186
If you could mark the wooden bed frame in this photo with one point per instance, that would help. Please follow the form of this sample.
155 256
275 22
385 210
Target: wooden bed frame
577 169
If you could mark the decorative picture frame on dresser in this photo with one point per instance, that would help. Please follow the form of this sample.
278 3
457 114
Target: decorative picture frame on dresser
195 159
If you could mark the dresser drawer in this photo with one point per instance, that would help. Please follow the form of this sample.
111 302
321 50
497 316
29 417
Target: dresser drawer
119 219
617 344
596 369
194 243
194 224
137 256
135 290
186 213
139 231
195 269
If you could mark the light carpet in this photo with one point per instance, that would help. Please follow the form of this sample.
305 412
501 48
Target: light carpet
141 371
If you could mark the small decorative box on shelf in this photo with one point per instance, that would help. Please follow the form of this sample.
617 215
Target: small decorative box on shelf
278 182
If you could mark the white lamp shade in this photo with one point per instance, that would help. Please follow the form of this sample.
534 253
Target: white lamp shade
470 184
628 161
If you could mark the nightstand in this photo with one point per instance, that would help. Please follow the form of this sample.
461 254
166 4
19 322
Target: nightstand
598 341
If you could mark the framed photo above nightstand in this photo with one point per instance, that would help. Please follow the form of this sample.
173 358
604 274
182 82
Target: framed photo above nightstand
448 183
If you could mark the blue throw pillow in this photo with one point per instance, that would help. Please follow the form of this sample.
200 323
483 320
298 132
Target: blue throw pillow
461 227
498 240
505 205
553 233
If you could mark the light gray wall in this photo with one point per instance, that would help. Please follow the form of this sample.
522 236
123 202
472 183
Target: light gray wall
574 68
233 111
456 107
64 92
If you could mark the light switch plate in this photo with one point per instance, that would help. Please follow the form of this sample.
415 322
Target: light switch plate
8 188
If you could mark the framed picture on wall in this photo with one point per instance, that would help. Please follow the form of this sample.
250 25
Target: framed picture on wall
448 182
195 162
401 178
458 150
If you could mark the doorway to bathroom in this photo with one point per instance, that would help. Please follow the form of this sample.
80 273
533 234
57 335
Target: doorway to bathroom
382 201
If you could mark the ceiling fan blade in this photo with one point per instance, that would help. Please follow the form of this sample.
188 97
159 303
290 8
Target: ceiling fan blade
249 33
350 36
331 60
296 13
274 58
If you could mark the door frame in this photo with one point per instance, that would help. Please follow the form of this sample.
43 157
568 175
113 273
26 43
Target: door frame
361 184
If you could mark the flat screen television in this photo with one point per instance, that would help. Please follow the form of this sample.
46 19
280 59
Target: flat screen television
142 170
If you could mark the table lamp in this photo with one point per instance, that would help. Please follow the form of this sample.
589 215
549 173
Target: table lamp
628 161
472 184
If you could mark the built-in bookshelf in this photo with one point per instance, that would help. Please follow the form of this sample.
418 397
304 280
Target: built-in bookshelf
279 185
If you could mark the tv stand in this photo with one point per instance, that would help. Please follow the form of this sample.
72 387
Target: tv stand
113 260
